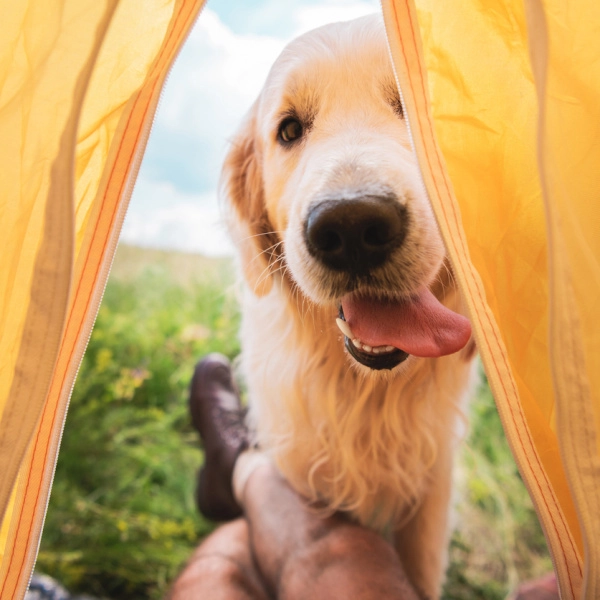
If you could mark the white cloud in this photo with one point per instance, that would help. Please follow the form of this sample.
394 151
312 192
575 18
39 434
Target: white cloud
216 78
311 16
213 83
211 86
164 217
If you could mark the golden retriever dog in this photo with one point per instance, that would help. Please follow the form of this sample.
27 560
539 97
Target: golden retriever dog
355 352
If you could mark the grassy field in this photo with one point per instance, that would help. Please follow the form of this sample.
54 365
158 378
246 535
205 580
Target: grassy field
121 519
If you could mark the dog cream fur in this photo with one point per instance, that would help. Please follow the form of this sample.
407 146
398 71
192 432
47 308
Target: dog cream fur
377 444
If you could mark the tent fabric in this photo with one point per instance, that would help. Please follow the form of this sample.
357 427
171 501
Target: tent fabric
80 83
502 100
503 103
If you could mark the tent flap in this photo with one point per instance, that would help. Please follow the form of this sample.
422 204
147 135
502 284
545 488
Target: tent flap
85 78
508 163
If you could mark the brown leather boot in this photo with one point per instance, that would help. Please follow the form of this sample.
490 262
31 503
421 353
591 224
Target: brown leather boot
219 418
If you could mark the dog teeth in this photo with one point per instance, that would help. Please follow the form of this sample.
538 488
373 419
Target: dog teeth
344 328
372 349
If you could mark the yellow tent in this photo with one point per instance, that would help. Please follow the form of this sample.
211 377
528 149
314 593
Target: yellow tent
503 103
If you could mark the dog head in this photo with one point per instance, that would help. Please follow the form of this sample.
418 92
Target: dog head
326 192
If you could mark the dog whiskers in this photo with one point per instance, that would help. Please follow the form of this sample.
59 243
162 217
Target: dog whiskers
255 235
444 278
270 250
269 270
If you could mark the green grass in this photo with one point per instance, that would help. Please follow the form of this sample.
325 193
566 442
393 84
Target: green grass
122 521
497 541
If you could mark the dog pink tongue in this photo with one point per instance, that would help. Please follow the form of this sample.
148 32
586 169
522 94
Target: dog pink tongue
419 325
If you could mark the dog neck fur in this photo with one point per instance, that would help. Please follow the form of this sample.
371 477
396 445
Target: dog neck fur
362 442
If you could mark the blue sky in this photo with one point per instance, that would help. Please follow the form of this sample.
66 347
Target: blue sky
214 81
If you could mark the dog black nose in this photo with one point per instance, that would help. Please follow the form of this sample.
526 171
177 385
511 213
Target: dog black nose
355 235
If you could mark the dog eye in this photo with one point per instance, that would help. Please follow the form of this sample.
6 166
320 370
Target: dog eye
290 130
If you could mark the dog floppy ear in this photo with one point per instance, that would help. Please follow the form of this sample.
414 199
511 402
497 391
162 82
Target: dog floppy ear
247 219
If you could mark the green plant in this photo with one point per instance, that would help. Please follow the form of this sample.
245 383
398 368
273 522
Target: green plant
498 541
121 519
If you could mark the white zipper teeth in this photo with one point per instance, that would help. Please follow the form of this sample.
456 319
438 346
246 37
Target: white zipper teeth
518 460
105 273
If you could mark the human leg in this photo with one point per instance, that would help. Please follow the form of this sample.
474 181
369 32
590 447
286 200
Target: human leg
299 553
303 555
221 568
